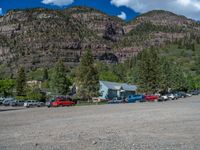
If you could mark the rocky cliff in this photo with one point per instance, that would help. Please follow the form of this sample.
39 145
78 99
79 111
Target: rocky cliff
39 37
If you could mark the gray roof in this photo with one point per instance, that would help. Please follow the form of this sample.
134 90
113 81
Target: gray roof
118 86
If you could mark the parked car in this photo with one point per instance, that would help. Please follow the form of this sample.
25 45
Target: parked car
151 98
7 101
31 103
62 102
188 94
135 98
195 92
164 98
1 100
40 104
17 103
171 96
182 94
161 99
116 100
177 95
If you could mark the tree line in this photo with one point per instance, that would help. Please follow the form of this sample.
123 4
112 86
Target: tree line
148 70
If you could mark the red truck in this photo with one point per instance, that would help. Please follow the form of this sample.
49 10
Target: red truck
151 98
62 102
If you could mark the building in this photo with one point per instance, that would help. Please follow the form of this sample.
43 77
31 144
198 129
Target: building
34 83
109 90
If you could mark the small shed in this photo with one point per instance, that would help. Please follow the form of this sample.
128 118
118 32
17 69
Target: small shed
109 90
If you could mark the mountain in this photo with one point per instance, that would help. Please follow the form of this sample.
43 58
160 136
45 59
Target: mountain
38 37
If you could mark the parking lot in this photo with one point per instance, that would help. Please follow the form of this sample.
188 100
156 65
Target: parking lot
140 126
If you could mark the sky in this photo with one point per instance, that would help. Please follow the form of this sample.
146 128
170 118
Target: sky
124 9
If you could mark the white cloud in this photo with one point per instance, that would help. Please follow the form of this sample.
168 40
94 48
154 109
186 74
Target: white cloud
1 11
58 2
188 8
122 15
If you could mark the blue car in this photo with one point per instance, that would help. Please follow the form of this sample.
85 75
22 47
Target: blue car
135 98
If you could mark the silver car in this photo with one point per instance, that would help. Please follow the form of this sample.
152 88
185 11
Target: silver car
17 103
33 103
7 101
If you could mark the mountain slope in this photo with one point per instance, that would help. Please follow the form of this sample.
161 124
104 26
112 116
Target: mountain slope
39 37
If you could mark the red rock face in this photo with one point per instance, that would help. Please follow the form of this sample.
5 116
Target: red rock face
39 37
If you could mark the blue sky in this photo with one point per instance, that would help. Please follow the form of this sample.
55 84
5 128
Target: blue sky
103 5
125 9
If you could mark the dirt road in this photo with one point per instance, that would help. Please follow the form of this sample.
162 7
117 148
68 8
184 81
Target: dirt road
141 126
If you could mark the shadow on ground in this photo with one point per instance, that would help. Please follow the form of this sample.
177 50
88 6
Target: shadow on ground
10 109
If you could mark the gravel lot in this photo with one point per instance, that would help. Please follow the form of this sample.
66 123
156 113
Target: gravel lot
141 126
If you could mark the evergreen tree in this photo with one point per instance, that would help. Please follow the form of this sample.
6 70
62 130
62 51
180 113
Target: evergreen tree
6 87
166 76
21 82
45 75
87 78
148 71
197 61
179 81
59 83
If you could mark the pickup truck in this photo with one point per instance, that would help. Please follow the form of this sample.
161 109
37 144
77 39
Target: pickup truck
135 98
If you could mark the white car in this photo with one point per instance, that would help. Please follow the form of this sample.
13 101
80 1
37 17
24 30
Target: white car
33 103
164 97
188 94
171 96
30 103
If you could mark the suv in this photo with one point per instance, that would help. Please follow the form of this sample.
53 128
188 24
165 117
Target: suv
17 103
7 101
62 102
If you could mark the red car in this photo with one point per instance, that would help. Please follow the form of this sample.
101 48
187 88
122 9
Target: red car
62 102
151 98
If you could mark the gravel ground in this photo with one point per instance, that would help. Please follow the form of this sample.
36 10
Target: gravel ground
141 126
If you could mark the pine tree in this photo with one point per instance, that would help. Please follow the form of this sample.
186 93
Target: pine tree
148 71
87 78
197 61
45 74
179 81
165 76
21 82
59 83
